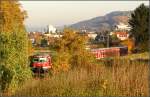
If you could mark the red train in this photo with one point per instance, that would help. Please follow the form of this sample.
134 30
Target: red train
40 63
109 52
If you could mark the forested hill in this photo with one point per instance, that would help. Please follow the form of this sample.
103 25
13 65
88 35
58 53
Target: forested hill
103 22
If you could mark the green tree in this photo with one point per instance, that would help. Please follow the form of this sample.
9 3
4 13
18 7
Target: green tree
114 40
140 23
44 42
14 69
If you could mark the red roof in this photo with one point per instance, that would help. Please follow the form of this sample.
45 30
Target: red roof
121 33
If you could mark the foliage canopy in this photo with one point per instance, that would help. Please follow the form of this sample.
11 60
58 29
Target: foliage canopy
71 49
140 23
14 68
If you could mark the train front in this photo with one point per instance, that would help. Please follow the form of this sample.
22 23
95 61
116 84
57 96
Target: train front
40 63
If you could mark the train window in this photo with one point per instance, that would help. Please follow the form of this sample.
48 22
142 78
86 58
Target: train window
35 60
43 60
39 60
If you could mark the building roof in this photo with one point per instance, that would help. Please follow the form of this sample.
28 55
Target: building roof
109 48
121 33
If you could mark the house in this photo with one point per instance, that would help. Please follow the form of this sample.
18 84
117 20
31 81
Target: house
92 35
53 35
101 38
51 29
122 27
122 35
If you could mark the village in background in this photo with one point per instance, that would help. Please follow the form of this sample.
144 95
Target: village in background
115 38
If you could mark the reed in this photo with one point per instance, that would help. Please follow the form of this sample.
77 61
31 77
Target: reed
121 78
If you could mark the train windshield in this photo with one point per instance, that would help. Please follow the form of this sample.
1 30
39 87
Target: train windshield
39 59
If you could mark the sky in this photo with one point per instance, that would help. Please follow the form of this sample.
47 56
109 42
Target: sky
60 13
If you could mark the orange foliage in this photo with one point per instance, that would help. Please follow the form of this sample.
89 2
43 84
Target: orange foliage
61 68
129 43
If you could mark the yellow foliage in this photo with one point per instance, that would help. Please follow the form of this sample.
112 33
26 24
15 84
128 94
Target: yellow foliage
129 43
12 16
30 48
61 68
64 67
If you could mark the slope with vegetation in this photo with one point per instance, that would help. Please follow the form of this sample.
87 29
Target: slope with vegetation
103 23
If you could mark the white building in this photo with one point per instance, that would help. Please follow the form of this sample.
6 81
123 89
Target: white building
51 29
92 35
122 26
53 35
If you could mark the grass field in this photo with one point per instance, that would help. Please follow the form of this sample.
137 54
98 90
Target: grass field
121 78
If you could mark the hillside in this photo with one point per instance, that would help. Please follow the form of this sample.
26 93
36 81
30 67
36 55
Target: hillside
102 23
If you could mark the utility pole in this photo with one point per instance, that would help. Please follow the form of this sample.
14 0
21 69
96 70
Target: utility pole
108 40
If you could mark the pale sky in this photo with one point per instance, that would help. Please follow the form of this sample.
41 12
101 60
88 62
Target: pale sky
59 13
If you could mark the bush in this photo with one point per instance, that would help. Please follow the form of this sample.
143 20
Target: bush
71 50
13 62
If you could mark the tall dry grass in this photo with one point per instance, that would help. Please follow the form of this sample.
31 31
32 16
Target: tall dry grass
119 77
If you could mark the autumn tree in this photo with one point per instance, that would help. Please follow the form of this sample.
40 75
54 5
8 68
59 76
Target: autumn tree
71 49
129 43
30 48
14 69
38 39
140 23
